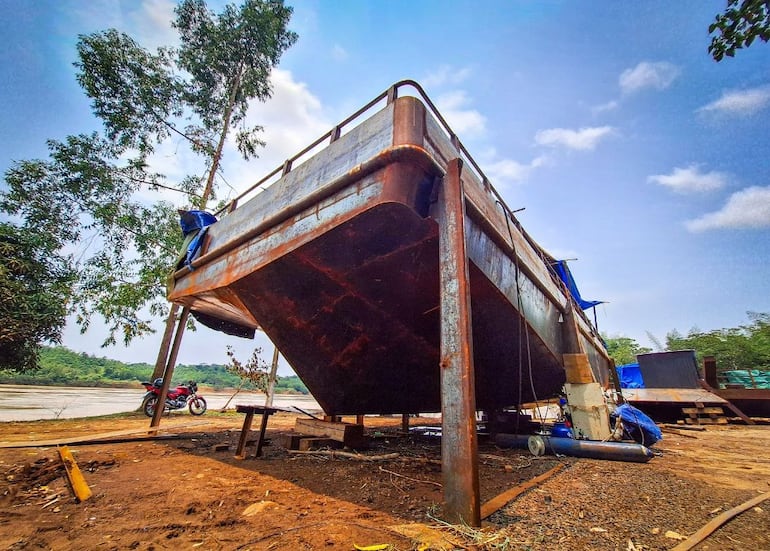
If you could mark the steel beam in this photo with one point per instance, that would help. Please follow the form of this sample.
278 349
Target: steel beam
459 445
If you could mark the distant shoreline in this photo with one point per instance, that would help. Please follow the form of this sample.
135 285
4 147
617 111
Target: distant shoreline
137 384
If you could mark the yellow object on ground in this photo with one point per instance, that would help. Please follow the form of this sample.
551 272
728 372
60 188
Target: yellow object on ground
77 481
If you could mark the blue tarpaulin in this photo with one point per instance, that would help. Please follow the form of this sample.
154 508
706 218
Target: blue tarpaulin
630 376
194 224
192 220
560 266
638 425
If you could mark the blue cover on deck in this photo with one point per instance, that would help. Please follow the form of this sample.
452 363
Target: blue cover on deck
560 266
194 223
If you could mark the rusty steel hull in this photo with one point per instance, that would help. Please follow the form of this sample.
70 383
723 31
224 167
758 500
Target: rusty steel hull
338 262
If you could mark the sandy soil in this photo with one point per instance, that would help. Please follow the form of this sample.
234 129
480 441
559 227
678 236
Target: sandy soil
191 493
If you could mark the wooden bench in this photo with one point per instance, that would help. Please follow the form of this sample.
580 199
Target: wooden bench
249 410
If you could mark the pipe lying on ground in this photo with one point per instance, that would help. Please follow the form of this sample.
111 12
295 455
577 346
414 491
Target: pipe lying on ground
613 451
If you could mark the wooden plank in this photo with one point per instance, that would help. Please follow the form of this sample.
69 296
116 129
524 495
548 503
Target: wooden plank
708 421
500 501
703 410
715 523
578 368
77 481
92 438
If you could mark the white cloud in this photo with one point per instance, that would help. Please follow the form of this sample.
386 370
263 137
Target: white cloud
149 22
658 75
153 22
584 139
690 179
748 208
604 107
740 102
463 121
446 75
506 171
339 53
292 119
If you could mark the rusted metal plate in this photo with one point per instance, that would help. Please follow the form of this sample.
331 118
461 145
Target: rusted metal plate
338 262
671 395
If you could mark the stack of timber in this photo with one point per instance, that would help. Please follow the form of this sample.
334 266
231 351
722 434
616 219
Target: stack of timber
702 415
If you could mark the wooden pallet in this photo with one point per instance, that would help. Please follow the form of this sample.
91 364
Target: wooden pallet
701 415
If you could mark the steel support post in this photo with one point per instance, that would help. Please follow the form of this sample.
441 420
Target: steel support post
169 371
459 445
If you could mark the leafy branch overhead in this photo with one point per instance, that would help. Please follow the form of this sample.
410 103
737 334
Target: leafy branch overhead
742 22
94 193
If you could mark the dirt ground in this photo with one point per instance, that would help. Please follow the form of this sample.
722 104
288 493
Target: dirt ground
190 493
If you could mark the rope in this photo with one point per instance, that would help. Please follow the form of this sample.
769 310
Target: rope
522 324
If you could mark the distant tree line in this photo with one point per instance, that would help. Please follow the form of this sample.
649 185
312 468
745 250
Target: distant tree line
743 347
59 365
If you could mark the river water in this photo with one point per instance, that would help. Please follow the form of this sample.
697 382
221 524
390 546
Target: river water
30 403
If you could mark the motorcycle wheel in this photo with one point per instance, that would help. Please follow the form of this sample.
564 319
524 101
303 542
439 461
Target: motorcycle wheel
198 405
148 405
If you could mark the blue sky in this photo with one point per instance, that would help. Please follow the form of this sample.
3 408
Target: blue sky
628 146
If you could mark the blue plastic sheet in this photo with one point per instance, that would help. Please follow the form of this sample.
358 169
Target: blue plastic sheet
630 376
560 266
638 425
192 220
194 224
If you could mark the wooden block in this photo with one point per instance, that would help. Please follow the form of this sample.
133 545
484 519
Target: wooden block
306 444
291 440
347 433
578 368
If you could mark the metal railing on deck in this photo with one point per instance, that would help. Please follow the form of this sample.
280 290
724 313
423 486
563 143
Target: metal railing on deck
390 96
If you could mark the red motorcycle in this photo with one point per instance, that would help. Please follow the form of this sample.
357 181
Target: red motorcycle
177 398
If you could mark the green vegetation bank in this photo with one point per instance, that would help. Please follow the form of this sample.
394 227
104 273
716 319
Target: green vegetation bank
61 366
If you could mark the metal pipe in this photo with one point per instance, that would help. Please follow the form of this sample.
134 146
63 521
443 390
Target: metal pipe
593 449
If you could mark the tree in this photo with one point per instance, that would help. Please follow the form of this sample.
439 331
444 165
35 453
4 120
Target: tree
34 288
742 22
84 195
743 347
254 371
624 349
